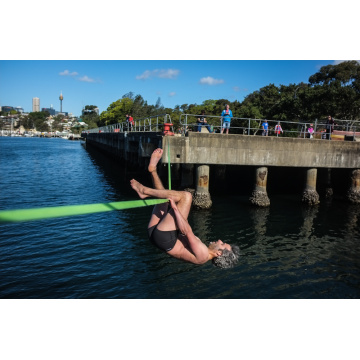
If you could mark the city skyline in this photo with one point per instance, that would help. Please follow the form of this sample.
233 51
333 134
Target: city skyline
175 82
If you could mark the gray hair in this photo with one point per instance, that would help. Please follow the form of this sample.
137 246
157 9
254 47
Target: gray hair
228 258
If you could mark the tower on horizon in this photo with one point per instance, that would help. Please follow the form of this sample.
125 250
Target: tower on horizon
61 99
35 104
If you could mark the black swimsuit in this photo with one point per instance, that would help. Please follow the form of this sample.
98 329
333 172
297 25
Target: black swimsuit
164 240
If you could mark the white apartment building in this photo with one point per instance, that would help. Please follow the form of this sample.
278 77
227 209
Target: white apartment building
35 104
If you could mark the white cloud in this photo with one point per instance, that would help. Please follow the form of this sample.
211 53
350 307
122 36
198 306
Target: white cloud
237 89
210 81
173 93
162 73
86 79
146 74
68 73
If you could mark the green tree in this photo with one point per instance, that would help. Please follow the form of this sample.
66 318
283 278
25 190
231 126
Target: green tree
337 90
37 120
57 124
139 108
116 112
90 107
90 117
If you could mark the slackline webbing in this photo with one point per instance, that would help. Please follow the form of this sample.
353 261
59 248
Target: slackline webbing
169 166
8 216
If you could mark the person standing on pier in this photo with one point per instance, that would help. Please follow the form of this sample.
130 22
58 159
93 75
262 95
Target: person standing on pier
265 127
278 129
201 121
169 229
226 116
329 127
131 122
311 131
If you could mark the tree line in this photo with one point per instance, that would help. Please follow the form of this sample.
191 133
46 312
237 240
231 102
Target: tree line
333 90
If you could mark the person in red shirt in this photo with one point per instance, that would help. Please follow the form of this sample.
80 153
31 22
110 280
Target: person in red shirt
131 122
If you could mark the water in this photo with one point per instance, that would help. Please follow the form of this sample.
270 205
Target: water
288 251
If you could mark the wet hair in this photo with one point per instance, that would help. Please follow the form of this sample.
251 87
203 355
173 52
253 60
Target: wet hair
228 258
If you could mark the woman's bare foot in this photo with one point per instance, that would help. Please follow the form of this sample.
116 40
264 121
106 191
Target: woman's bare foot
155 158
138 188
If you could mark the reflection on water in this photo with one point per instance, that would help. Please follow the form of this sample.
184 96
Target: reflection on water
309 215
259 217
352 223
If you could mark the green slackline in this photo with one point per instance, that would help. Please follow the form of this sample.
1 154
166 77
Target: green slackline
7 216
169 166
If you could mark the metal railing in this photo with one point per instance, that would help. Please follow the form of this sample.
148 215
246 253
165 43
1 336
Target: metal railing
150 123
249 126
245 126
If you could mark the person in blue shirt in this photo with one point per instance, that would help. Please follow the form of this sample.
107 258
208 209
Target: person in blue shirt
226 116
265 127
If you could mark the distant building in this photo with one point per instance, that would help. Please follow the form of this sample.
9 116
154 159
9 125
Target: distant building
61 113
36 104
6 109
19 109
50 110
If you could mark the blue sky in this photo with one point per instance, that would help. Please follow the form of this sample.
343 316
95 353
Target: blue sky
176 82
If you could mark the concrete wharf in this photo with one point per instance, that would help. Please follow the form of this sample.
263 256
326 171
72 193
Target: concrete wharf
196 152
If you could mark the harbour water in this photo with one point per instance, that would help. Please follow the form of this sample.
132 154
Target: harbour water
287 251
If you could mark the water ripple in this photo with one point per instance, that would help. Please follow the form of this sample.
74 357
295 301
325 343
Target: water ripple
287 251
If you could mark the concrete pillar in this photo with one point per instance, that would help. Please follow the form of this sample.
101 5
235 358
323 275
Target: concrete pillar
259 195
329 190
354 192
187 175
310 195
201 197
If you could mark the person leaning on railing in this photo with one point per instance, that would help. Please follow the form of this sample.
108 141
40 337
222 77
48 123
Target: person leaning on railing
311 131
329 127
201 121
